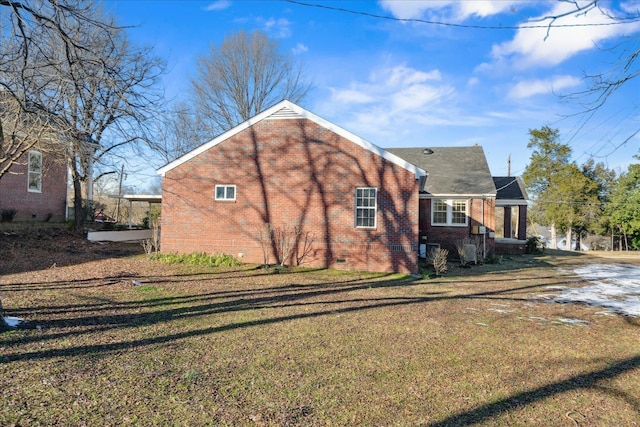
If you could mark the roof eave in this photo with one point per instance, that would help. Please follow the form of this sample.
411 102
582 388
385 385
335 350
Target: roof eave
428 195
418 172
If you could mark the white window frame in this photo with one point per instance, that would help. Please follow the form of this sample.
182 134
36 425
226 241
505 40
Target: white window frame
226 197
450 203
35 172
360 205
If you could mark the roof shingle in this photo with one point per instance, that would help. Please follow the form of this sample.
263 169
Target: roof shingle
453 171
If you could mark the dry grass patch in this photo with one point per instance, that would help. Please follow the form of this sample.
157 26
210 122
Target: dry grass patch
242 346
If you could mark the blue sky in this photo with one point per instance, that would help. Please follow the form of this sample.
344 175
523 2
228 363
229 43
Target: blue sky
410 83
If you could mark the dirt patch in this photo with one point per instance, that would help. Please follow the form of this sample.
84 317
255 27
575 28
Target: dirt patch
31 249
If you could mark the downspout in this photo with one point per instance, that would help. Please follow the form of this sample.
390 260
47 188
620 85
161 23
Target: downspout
484 235
66 195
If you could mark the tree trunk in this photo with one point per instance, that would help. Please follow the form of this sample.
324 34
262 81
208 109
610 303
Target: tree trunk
554 236
612 241
78 211
568 246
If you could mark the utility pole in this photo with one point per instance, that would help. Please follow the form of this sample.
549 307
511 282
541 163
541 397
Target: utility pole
509 165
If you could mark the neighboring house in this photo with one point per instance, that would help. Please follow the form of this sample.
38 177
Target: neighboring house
458 201
35 187
356 204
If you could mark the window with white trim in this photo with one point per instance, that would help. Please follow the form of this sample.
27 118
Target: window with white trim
34 175
225 192
366 207
450 212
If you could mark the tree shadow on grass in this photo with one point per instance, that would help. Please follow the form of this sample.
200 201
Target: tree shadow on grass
128 276
317 299
197 306
589 380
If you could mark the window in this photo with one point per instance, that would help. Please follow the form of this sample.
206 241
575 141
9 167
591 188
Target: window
225 192
366 207
35 172
449 212
439 212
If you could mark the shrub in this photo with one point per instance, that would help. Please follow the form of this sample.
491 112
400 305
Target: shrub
152 245
7 215
439 260
493 259
534 245
198 259
290 242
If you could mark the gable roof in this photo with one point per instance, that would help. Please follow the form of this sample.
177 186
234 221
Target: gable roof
510 190
288 110
453 171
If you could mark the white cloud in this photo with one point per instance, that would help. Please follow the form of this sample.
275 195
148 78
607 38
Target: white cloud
416 97
528 88
352 96
218 5
300 48
402 75
630 7
400 86
452 9
393 102
531 46
279 28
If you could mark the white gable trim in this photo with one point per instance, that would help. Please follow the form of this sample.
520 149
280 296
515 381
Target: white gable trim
287 110
511 202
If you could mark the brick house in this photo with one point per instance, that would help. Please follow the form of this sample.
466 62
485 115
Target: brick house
458 201
357 204
36 187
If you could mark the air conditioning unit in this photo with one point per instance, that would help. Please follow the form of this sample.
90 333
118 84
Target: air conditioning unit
431 248
478 229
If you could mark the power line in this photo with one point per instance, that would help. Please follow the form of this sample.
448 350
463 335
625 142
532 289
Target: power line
618 21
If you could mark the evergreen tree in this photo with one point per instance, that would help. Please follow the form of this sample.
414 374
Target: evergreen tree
623 209
566 197
549 156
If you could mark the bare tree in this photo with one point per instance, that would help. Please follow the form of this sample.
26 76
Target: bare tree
603 85
100 90
68 72
109 106
177 132
21 131
243 76
24 122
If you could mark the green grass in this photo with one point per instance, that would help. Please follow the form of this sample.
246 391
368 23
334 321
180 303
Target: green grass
199 259
205 346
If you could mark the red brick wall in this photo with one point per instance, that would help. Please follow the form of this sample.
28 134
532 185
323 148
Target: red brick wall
292 172
31 206
522 223
510 248
447 236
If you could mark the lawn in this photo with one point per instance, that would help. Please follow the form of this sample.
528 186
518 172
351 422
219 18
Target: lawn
122 340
